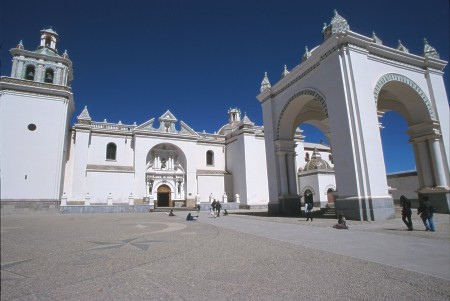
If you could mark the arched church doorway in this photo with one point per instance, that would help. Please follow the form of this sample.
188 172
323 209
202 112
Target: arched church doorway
165 175
308 196
163 196
330 197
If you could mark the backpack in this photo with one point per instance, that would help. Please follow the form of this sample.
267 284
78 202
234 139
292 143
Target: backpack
309 206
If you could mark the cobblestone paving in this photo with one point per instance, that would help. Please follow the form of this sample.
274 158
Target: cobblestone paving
155 257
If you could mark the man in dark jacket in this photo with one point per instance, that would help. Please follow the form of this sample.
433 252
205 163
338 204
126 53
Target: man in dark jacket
426 210
406 212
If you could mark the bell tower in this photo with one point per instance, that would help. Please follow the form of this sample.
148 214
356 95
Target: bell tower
43 65
49 39
36 103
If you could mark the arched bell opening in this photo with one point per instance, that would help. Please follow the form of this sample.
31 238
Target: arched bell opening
30 72
49 75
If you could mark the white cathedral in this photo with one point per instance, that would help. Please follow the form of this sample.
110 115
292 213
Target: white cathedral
159 163
98 166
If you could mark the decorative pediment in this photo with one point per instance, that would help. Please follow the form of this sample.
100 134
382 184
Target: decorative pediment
146 125
185 129
84 117
167 122
168 116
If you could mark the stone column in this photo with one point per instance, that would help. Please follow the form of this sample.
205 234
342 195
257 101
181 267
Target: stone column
64 200
19 71
110 199
38 74
13 69
87 199
57 79
284 189
425 164
290 160
418 163
131 199
436 159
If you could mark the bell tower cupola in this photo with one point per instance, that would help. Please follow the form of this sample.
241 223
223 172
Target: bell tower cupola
49 39
44 64
234 115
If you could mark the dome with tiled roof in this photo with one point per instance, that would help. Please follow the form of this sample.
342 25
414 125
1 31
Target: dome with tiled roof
316 162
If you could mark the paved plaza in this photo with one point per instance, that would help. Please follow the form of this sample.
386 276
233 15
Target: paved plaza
243 256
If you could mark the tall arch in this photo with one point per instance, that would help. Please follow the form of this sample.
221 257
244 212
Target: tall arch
394 77
287 117
397 92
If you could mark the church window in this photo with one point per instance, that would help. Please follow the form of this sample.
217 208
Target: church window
209 158
32 127
48 41
29 72
49 76
111 151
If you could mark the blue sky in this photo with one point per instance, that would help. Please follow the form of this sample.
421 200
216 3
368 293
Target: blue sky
133 60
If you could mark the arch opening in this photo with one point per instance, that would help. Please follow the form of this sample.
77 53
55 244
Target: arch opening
406 116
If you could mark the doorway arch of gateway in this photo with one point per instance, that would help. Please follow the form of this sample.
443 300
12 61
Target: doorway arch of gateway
334 88
165 175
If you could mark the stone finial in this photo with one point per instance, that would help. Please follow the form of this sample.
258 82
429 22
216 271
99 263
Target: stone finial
20 45
401 47
306 55
84 117
65 54
265 84
429 51
247 120
376 39
285 72
337 24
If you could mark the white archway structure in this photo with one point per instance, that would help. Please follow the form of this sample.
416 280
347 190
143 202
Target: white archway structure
342 87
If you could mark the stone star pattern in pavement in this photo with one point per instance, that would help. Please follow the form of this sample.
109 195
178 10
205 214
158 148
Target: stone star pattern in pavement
142 245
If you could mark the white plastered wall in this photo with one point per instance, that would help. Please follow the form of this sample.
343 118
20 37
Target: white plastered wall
31 161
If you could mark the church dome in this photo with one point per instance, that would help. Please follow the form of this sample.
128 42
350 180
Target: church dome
316 162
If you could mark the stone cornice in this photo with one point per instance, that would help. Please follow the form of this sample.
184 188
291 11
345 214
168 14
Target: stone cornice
43 89
26 53
355 42
22 85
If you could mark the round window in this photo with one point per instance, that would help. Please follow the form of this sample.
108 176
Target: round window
32 127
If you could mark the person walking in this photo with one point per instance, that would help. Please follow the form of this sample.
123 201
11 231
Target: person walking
213 207
308 211
218 207
426 211
406 212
